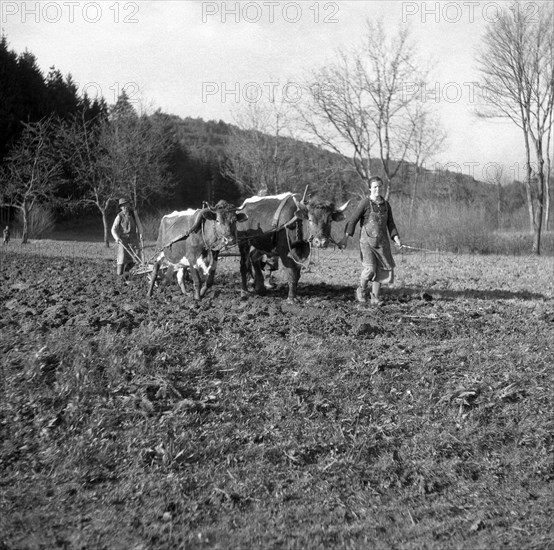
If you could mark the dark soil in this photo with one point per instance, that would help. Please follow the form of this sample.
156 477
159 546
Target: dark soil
166 423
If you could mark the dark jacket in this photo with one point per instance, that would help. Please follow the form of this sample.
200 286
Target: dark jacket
375 219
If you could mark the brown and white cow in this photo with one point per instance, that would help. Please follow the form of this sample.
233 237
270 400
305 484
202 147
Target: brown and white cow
193 239
285 227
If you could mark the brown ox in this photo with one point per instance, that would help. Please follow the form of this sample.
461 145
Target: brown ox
285 227
193 239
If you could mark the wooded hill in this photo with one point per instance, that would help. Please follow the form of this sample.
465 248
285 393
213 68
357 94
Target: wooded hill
199 176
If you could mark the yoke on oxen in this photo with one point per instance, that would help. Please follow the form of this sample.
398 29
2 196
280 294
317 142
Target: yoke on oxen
283 226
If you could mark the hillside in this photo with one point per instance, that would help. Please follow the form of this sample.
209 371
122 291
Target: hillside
206 143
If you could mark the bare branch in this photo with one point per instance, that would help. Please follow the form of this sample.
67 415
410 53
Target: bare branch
358 103
517 82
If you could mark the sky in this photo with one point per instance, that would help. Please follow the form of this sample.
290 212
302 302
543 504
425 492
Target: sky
207 59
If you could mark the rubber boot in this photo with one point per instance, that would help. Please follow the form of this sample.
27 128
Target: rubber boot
375 291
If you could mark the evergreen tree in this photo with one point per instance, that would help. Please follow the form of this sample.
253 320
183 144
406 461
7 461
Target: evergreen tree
27 97
11 109
62 96
32 88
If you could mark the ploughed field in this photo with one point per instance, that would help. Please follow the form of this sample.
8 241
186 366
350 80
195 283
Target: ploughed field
129 423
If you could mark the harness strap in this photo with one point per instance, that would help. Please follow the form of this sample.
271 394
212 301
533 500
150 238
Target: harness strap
209 247
299 232
277 215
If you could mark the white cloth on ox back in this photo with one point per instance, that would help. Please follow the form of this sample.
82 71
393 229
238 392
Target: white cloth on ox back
255 198
187 212
175 226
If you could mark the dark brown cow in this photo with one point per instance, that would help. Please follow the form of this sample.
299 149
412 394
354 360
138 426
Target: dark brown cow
193 239
285 227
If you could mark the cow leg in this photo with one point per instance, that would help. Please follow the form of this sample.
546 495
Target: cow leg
153 277
211 274
168 274
293 271
180 279
271 265
256 260
196 282
244 251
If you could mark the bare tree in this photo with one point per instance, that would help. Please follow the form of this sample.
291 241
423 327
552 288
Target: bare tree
388 67
263 155
549 169
425 140
136 152
337 114
258 154
31 172
498 176
120 155
360 102
81 151
516 62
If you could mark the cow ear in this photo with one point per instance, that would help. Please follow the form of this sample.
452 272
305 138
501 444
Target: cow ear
209 215
338 214
241 217
302 209
302 213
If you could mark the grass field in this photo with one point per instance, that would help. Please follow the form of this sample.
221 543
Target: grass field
129 423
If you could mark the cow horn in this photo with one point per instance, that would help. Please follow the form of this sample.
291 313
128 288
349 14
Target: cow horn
305 193
299 205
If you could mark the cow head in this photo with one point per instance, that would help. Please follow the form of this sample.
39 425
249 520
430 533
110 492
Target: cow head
320 214
224 218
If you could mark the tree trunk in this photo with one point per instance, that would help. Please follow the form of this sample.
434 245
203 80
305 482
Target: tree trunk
412 200
25 231
537 226
542 184
549 174
105 223
134 192
547 191
499 206
528 184
537 230
547 207
388 186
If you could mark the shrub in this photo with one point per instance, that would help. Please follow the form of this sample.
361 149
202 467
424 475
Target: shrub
41 221
151 224
450 227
